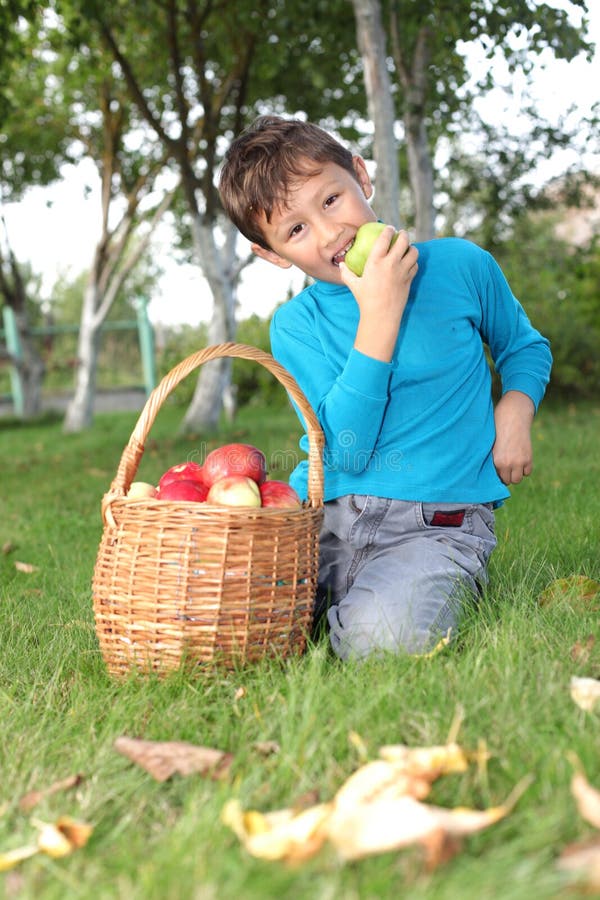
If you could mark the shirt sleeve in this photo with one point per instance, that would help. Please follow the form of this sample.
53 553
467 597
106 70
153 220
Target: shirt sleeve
350 404
520 353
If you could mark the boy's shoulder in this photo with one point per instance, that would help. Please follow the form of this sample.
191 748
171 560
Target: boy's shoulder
303 306
451 248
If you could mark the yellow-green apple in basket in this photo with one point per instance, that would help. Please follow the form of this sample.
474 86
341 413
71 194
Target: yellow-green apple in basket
141 490
234 490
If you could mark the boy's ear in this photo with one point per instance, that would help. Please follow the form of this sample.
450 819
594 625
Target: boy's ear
271 256
362 175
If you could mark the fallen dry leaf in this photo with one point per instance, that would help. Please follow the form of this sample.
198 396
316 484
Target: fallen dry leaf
441 645
428 762
585 692
55 839
60 838
394 822
31 799
581 650
162 759
8 547
13 857
266 748
378 808
579 591
583 860
283 834
587 799
28 568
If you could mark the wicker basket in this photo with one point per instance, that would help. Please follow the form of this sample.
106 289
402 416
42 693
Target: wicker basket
179 582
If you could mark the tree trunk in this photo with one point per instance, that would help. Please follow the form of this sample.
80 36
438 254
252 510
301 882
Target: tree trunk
30 364
214 380
413 74
31 367
420 173
372 46
80 411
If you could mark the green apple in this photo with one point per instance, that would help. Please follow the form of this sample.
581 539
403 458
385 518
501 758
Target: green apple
366 236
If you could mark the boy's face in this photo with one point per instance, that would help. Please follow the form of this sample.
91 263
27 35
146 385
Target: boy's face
318 223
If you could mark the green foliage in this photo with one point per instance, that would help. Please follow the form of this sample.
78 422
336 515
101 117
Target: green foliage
559 285
255 387
174 345
508 676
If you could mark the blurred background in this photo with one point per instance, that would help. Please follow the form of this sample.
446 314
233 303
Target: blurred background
475 119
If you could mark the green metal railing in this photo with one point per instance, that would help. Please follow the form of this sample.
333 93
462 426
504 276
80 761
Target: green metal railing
141 323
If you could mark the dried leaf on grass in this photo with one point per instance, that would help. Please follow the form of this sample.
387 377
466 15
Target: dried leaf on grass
283 834
60 838
32 798
55 839
28 568
266 748
585 692
428 761
13 857
581 650
579 591
582 858
163 759
378 808
587 799
8 547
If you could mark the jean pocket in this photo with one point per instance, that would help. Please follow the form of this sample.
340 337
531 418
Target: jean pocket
444 515
357 502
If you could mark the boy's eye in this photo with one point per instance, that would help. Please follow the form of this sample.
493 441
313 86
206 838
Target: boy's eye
331 200
295 230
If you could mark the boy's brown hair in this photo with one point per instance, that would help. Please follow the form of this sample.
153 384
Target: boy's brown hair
264 160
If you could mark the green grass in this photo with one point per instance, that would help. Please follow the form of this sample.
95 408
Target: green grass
509 673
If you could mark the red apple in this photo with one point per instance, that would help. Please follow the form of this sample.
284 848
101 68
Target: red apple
234 490
185 489
186 471
278 493
235 459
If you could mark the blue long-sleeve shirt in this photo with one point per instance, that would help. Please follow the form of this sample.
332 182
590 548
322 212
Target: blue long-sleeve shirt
420 427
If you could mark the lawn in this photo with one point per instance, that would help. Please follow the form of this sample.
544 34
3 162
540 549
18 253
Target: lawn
506 678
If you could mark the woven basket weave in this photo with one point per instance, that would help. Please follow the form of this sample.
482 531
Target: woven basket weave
179 582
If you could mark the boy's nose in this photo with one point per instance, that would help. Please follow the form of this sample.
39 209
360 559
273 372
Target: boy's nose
329 232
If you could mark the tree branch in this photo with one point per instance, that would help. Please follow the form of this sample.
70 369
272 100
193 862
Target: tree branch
134 87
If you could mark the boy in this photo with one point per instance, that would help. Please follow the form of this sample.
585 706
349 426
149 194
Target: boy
393 363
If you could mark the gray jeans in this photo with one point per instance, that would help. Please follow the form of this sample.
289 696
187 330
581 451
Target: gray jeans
395 574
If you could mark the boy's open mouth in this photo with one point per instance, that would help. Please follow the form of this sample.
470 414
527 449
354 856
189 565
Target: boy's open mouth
340 255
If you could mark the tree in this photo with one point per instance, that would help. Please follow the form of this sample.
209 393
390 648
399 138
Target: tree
125 235
64 107
380 104
32 149
197 72
434 95
14 292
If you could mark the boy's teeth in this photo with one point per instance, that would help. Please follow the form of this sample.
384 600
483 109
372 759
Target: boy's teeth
337 259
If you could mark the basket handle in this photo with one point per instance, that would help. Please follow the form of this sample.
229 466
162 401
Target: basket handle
133 451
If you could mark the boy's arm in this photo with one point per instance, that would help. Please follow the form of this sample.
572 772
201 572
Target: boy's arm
512 451
382 293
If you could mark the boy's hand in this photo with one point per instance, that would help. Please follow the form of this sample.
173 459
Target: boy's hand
382 292
512 452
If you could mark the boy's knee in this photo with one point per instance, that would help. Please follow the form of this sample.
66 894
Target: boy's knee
356 636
